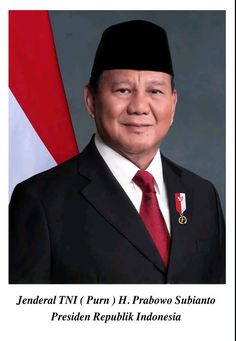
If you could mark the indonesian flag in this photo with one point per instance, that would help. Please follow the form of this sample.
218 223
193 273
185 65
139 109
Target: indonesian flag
41 132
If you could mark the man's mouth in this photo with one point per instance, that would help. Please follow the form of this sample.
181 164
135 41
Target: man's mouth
138 125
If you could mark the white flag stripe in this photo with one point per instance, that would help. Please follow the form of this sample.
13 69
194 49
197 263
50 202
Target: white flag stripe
27 153
183 202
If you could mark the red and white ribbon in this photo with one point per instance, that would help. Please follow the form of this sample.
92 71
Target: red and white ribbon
180 202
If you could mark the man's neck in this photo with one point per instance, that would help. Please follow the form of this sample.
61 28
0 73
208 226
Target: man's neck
142 160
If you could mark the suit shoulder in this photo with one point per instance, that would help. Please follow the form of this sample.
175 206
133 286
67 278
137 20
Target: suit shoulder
187 176
55 178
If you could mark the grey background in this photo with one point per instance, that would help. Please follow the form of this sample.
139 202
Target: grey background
197 42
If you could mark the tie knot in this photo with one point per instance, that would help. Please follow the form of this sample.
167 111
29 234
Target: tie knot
145 181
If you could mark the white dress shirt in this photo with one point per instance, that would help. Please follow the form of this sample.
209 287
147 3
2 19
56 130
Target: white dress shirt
124 171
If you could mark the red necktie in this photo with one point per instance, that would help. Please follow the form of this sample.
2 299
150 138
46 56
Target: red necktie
151 214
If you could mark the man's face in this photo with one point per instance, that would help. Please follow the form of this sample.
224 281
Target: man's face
133 110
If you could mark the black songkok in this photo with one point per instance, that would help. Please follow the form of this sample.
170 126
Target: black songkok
134 45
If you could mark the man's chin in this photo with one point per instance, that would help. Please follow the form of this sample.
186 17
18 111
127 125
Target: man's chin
137 149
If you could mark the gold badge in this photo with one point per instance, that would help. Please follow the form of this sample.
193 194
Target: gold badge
182 219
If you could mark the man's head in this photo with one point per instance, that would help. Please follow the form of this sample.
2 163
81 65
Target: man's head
131 93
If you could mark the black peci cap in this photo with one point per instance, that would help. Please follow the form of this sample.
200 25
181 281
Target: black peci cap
134 45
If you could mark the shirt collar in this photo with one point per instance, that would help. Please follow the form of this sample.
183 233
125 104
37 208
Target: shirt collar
124 170
155 168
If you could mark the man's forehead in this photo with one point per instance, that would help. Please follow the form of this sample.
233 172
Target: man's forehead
129 76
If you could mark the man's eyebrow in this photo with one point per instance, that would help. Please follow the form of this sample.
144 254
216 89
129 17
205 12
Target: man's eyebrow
121 82
126 81
156 82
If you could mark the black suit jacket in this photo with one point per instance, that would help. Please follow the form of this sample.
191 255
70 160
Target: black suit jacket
75 224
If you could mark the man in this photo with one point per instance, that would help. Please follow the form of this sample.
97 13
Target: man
120 212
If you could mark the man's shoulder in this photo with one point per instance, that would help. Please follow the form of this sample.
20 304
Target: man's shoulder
66 177
53 179
57 172
187 176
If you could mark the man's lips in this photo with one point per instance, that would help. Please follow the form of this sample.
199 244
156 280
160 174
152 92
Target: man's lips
137 125
137 128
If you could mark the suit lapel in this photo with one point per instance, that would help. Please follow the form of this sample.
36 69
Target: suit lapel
181 235
107 196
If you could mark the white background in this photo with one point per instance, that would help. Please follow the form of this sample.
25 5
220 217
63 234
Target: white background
209 322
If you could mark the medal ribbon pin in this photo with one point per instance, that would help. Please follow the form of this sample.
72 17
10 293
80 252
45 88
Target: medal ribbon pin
180 204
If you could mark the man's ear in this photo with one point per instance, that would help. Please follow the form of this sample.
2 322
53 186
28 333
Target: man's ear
89 100
174 102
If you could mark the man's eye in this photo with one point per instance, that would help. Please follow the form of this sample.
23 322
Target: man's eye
123 91
155 91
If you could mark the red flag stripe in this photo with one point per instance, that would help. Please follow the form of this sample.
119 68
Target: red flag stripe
178 203
36 82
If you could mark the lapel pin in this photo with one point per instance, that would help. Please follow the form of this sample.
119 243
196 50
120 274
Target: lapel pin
180 204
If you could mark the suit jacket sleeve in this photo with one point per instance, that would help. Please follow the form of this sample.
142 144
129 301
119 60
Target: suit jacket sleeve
29 248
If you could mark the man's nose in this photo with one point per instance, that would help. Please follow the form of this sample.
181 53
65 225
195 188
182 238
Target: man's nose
138 104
